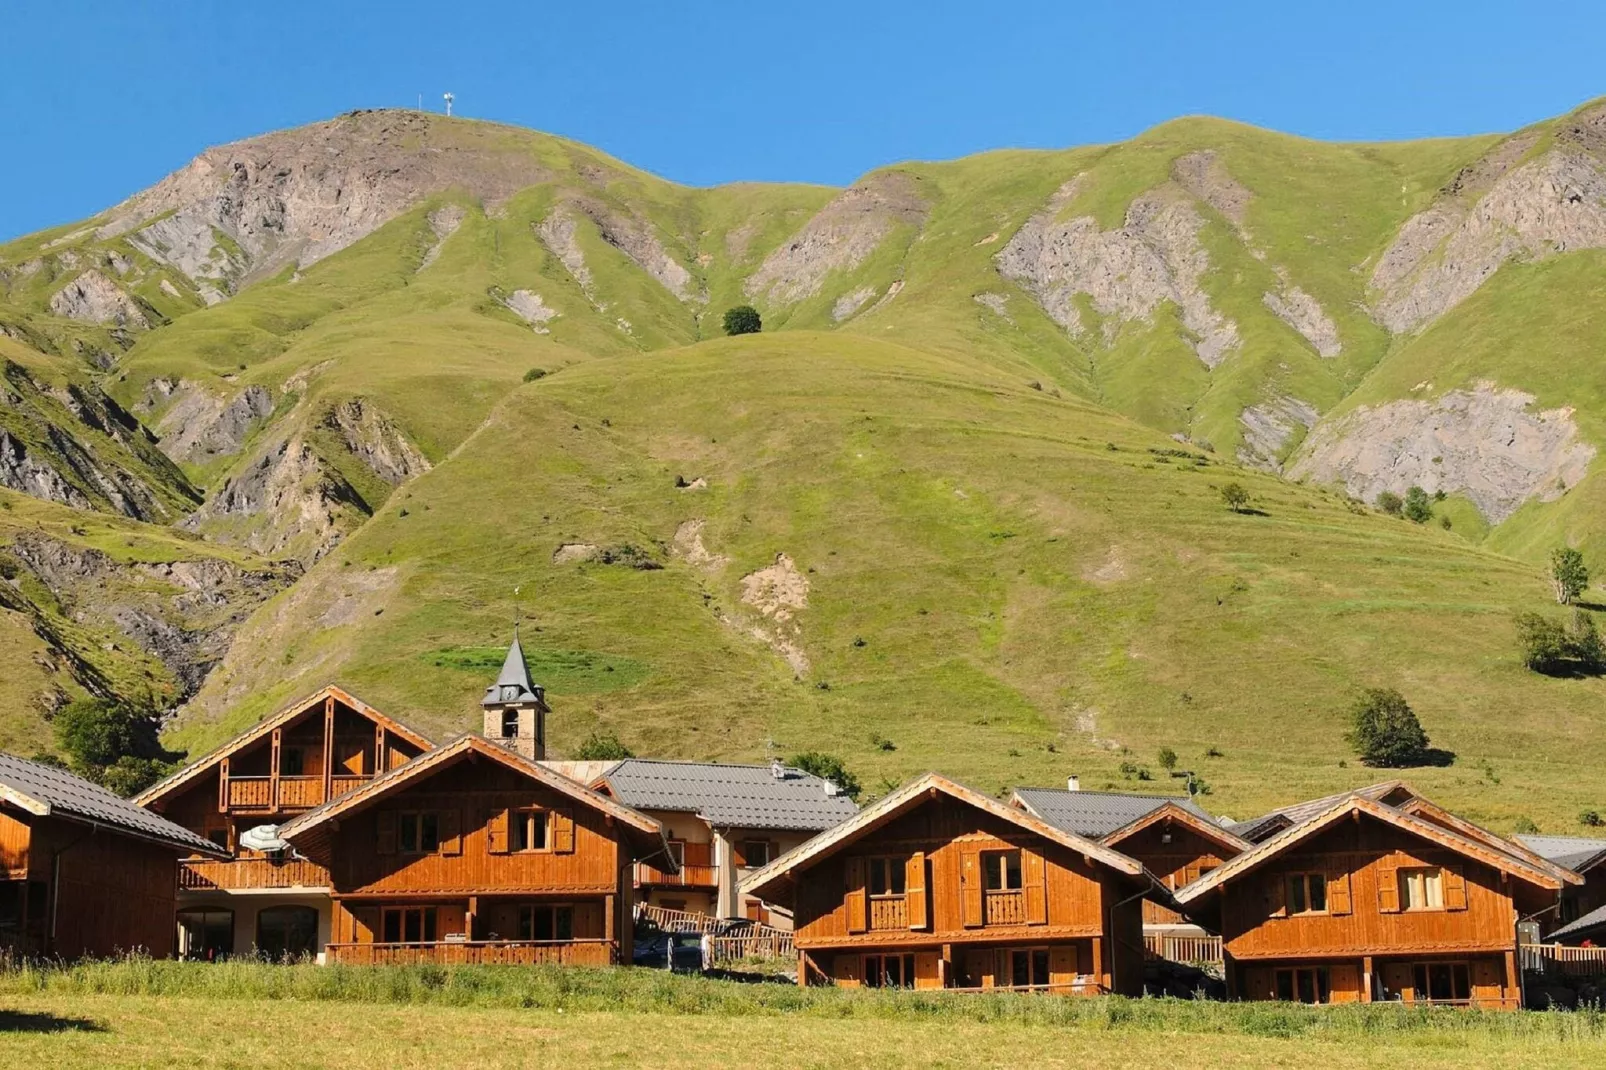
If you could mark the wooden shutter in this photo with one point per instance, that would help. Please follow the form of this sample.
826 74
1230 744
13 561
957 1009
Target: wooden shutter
848 969
1338 897
970 912
1344 983
496 832
1062 964
914 892
450 918
1033 882
385 823
856 901
451 830
1397 980
563 832
1455 888
739 853
1388 888
928 971
1488 982
1277 895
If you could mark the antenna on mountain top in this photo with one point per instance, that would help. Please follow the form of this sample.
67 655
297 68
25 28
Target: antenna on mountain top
449 99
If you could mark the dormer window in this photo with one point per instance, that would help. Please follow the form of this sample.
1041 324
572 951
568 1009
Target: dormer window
510 723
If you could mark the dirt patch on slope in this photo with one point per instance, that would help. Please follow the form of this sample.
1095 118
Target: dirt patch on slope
778 593
1203 174
1155 256
840 237
688 545
1111 569
574 552
93 298
849 303
1304 314
1484 443
558 233
528 306
998 303
1268 428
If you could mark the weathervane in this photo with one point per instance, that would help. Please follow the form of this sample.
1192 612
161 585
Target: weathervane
449 99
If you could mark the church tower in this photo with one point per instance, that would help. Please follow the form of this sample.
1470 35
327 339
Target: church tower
515 707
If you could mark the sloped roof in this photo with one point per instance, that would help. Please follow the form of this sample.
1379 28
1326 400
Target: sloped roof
1188 817
1543 877
46 791
265 726
581 771
1096 814
1259 828
1432 811
445 755
911 795
1588 925
513 684
731 796
1577 853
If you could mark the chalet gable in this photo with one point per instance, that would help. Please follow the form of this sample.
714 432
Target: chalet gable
1172 814
1438 815
1359 804
311 705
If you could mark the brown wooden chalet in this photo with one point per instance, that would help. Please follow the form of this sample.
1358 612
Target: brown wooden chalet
939 886
475 853
261 897
84 872
1362 901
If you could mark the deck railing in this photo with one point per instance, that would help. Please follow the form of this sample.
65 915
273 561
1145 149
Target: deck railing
1565 961
1191 950
697 870
1005 908
1082 986
205 874
768 944
477 952
676 921
261 793
889 912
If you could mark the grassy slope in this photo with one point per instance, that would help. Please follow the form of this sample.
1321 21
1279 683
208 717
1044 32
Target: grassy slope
961 524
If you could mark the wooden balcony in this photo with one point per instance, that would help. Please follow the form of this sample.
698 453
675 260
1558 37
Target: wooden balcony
1559 960
1004 908
1190 950
697 870
287 794
477 953
248 874
889 912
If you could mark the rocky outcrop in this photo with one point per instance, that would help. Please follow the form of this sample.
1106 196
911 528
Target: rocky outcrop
443 223
199 425
1203 174
632 236
1126 273
1269 427
28 474
849 303
1304 314
93 298
528 306
1441 256
840 237
287 502
558 232
297 196
1483 443
375 440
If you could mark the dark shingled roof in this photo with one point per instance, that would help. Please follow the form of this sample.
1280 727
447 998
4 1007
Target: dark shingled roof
513 685
45 789
731 796
1096 814
1588 925
1263 827
1577 853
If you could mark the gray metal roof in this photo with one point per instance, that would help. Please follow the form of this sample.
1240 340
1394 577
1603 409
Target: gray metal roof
731 796
513 684
45 789
1593 922
1096 814
1577 853
1263 827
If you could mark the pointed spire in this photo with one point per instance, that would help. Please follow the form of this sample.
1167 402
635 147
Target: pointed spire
514 685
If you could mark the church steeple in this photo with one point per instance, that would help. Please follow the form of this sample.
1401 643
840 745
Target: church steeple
515 706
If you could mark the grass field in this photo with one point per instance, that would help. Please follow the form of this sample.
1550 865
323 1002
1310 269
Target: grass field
135 1014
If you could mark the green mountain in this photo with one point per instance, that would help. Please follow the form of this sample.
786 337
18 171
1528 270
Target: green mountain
957 507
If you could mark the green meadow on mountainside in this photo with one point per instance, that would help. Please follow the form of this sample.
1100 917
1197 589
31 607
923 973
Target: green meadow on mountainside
958 507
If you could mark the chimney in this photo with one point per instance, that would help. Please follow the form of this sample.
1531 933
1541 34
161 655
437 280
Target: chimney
777 770
1073 783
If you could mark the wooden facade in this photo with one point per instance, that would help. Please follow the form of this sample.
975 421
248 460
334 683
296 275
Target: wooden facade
1178 847
1365 902
272 902
708 866
937 886
473 853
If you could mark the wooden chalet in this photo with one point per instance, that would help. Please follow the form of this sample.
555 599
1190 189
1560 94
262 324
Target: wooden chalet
84 872
1172 836
260 896
723 822
473 852
1362 901
940 886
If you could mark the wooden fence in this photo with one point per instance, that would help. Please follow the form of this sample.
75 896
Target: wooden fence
1561 960
676 921
1192 950
766 944
477 952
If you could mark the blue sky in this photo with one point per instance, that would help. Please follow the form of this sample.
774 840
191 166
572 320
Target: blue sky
102 99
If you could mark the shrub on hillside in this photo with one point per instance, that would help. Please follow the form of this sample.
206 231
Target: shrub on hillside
1556 649
1390 503
111 744
1235 497
1568 574
743 319
1384 730
1417 507
603 747
828 767
533 374
1168 759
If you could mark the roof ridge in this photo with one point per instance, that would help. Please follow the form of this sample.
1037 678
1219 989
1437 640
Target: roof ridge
1113 794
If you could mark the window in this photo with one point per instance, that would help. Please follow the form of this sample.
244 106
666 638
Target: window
292 760
1306 985
1001 871
527 830
510 724
1028 966
287 932
677 851
408 925
219 837
205 935
546 923
1307 893
1422 889
418 833
887 875
1447 981
889 971
756 853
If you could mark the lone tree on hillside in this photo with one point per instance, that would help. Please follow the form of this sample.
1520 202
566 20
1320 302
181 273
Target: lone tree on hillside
1418 507
1384 730
828 767
1568 574
1557 649
743 319
1390 503
1235 497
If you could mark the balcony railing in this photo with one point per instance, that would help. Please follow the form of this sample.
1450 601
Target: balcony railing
1005 908
1190 950
1562 960
697 870
889 912
477 952
242 874
257 793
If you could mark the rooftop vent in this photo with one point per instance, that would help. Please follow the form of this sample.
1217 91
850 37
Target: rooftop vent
1073 783
831 789
777 770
